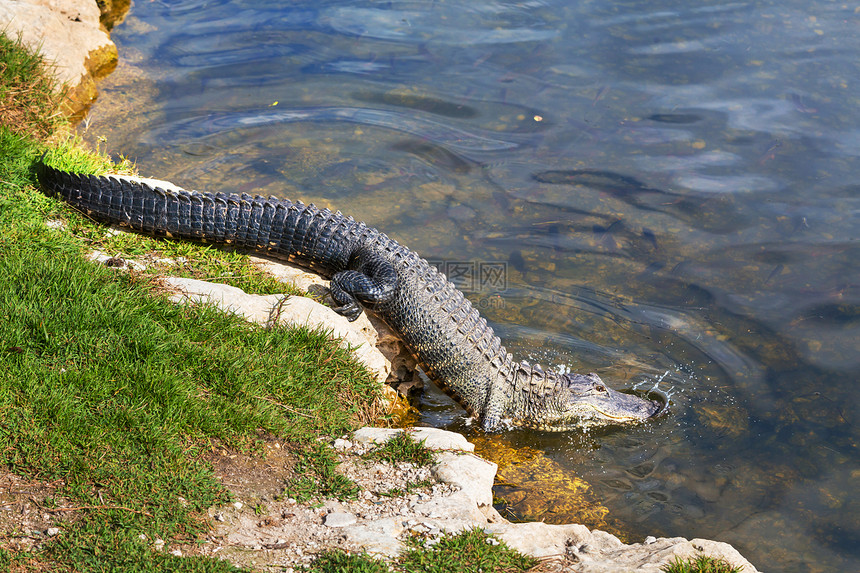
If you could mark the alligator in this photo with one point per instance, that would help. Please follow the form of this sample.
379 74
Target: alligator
452 343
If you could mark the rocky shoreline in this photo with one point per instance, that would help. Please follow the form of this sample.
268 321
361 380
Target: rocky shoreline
457 495
73 36
286 534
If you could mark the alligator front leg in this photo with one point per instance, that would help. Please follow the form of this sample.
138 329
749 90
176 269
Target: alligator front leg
373 283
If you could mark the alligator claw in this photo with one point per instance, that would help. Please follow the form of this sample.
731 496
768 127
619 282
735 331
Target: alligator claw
351 311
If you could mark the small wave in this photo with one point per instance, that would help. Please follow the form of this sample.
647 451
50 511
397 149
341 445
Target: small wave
417 26
198 128
725 183
673 163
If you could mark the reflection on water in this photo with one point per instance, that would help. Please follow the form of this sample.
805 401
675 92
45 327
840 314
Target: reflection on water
672 189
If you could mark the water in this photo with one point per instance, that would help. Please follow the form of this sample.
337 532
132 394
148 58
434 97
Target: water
672 192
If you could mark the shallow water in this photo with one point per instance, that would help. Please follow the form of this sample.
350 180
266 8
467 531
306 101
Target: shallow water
661 193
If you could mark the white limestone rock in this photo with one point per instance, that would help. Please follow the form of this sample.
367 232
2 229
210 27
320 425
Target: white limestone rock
68 34
470 473
379 537
434 438
339 519
269 309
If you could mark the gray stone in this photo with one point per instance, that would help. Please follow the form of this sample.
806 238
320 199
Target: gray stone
435 439
600 552
339 519
379 537
471 474
341 444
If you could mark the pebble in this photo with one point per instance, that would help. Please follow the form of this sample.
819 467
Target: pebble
650 539
342 445
53 531
339 519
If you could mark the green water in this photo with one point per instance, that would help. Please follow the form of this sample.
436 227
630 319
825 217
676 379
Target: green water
672 192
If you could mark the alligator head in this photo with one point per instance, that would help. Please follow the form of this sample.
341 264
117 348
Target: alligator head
584 400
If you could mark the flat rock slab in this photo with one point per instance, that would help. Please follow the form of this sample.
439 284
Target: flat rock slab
470 473
600 552
434 438
339 519
69 36
359 336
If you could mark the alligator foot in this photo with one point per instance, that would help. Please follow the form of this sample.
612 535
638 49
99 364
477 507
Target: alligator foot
351 311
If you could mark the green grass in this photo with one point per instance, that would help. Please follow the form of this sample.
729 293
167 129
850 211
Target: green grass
403 448
471 551
340 562
27 98
120 394
700 564
318 477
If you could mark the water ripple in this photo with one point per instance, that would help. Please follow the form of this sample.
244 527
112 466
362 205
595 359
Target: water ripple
725 183
686 162
200 127
424 26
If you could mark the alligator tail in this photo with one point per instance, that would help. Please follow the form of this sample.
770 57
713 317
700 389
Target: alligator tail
273 226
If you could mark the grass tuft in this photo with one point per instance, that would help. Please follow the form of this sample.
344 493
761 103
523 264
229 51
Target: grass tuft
471 551
339 562
403 448
700 564
318 477
28 98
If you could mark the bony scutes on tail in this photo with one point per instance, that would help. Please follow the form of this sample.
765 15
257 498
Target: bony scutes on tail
452 342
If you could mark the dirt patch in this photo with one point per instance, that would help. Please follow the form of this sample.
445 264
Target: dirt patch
254 478
266 531
30 511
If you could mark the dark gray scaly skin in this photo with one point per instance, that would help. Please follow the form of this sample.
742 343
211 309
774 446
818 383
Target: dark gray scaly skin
453 343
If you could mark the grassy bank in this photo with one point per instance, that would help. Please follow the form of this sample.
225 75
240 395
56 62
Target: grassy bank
113 395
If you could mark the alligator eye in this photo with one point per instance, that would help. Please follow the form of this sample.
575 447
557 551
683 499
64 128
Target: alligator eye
600 388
